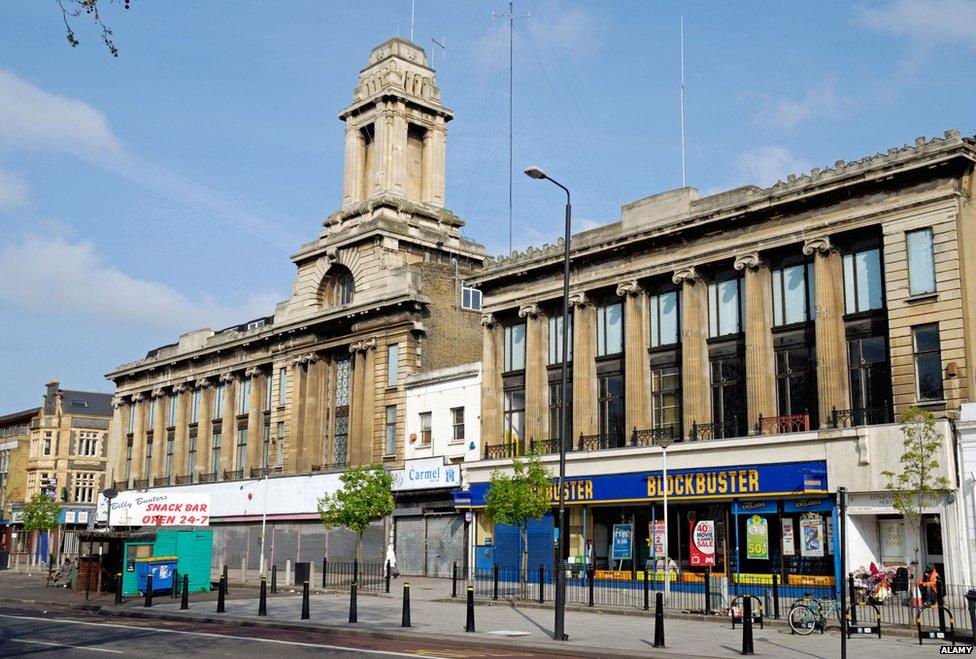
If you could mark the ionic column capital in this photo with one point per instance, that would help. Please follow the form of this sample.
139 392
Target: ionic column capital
579 300
529 311
488 320
202 383
226 378
750 260
631 288
363 346
687 275
252 371
180 388
118 401
138 397
820 245
305 358
158 392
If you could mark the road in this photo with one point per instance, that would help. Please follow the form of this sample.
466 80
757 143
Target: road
48 633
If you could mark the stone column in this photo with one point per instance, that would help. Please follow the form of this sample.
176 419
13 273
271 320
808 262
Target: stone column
491 382
426 181
228 432
116 442
183 393
833 386
159 430
368 447
136 407
760 360
536 386
255 418
696 392
297 459
585 403
360 448
637 363
438 158
204 429
352 179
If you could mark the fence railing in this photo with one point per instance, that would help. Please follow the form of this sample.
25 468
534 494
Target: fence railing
717 430
613 439
651 436
235 475
184 479
140 483
547 446
863 416
502 451
210 477
341 574
778 425
161 481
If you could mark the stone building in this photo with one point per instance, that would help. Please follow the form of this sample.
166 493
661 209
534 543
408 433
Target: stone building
318 385
773 332
14 447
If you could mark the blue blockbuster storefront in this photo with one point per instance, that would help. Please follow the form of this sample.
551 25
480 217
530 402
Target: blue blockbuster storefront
754 520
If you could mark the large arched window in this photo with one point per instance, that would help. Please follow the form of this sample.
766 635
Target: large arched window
338 287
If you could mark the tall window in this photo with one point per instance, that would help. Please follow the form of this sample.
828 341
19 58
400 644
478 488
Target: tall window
728 396
195 406
343 388
870 373
243 395
151 414
266 444
555 408
796 381
666 398
609 329
241 463
346 287
128 460
391 430
87 443
425 429
793 294
556 339
130 423
457 424
611 407
147 466
392 364
862 280
725 307
282 386
215 453
514 416
170 443
928 362
281 443
191 456
665 312
470 298
515 347
47 442
84 483
268 391
171 410
921 262
218 402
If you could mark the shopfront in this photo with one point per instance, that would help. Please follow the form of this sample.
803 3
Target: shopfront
746 519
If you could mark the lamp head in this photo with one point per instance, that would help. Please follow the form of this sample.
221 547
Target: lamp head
535 172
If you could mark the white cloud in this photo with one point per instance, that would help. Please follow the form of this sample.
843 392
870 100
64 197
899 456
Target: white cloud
925 22
14 190
51 274
572 32
764 166
819 102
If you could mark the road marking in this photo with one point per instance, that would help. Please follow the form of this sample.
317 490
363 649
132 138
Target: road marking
63 645
221 636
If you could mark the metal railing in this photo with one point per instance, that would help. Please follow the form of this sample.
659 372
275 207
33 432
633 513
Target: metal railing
778 425
599 442
261 472
547 446
340 574
502 451
651 436
864 416
184 479
236 475
717 430
161 481
208 477
120 485
331 466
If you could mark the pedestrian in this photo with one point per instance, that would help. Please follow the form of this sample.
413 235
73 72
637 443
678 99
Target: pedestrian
391 559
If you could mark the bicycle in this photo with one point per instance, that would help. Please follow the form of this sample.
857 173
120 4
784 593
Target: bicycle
812 613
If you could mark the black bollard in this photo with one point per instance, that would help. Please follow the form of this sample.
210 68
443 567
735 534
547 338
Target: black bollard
747 647
542 584
221 593
118 588
185 599
776 596
176 581
355 569
494 591
469 622
353 609
659 620
325 569
939 593
852 596
589 576
405 621
149 589
226 581
305 600
708 592
971 605
454 580
263 598
274 579
647 594
388 571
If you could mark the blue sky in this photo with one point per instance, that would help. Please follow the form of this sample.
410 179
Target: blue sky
148 195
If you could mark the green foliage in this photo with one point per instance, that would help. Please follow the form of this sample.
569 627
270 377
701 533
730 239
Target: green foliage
71 9
366 495
916 487
41 513
520 497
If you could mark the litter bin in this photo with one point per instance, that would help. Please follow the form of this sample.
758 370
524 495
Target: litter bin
162 568
302 571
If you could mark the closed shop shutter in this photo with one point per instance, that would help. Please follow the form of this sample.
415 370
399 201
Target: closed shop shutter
410 545
508 545
445 543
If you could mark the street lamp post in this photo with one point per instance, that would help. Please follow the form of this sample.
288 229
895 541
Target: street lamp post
664 443
559 633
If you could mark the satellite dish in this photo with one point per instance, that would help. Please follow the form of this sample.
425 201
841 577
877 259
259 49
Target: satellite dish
110 493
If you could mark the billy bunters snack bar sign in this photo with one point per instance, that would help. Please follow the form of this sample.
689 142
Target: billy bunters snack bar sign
160 509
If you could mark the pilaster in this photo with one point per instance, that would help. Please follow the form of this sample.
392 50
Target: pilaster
695 381
833 387
637 365
228 434
255 420
536 387
183 393
491 382
760 360
136 406
585 403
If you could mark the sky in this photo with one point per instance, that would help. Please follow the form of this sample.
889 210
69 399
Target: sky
164 190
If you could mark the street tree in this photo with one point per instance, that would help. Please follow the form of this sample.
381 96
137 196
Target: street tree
916 486
518 498
41 513
72 9
366 495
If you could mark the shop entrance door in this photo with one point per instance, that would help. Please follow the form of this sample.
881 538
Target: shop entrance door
932 536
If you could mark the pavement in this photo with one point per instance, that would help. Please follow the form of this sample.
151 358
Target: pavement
505 627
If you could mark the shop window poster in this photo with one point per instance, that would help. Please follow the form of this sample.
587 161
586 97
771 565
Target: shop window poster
811 535
623 536
703 543
789 544
656 530
757 538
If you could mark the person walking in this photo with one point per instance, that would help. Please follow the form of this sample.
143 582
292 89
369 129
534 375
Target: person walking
391 559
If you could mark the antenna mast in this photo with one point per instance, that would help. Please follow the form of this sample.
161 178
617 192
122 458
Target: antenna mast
684 180
413 7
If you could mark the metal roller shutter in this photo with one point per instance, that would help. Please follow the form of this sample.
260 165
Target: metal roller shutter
445 543
410 545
